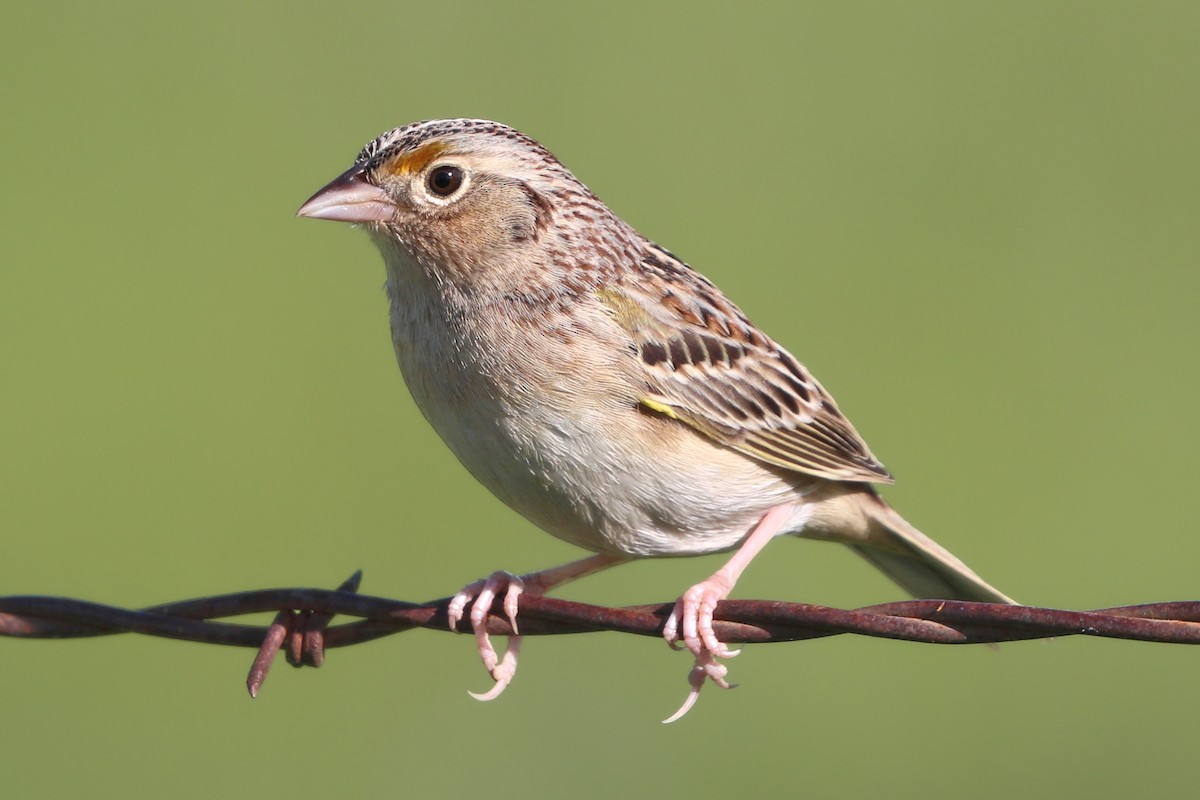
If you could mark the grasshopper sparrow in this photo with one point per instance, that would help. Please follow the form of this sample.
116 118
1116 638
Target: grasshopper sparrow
603 388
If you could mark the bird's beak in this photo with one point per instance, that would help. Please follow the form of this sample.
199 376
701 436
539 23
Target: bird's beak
349 198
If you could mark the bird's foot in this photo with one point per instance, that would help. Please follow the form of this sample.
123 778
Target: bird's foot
691 622
480 595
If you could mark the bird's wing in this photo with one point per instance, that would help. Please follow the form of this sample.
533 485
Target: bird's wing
708 366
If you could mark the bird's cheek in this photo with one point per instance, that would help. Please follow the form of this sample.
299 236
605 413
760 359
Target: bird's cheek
493 228
521 226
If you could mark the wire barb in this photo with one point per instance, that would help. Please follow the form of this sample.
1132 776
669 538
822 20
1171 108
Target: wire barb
302 622
304 631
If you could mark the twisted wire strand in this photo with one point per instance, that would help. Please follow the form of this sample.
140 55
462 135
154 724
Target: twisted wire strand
302 624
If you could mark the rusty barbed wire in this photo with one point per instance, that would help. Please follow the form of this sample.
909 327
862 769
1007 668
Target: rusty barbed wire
302 624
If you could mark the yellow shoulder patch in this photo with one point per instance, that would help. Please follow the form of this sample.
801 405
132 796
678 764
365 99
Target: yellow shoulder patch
626 312
660 408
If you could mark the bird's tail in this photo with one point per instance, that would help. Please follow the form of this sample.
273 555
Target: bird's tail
919 564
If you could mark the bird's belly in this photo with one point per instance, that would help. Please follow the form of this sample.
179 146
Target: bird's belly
592 471
566 475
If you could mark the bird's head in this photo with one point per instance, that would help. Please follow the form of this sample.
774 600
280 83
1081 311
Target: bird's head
458 196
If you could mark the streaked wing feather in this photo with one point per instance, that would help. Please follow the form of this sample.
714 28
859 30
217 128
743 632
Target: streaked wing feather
708 366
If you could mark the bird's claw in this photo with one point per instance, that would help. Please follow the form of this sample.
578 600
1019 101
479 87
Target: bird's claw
480 595
502 670
706 668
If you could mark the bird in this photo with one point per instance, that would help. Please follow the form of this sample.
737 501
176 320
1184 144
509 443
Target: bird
603 388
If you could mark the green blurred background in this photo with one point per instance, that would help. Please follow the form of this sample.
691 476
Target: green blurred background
977 223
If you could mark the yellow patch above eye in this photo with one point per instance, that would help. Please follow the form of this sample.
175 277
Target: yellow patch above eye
415 161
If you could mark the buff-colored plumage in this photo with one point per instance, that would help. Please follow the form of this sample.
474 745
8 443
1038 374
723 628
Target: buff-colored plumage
600 386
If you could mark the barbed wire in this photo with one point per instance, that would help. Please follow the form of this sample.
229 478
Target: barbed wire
302 624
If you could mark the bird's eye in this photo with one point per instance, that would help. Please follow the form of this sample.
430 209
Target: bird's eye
445 181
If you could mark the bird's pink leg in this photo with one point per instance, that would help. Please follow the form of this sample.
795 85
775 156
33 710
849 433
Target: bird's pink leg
693 612
481 594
